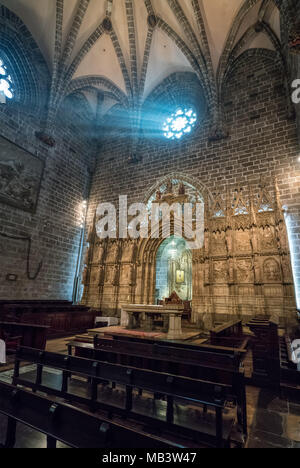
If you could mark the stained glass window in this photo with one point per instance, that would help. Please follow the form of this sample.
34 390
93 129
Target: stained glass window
179 123
6 82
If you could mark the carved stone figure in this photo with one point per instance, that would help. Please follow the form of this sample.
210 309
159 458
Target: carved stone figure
101 276
115 275
98 253
206 273
206 240
231 271
229 241
286 268
169 188
282 236
113 252
257 271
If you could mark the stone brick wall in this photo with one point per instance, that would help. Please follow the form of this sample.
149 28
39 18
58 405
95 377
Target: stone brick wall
54 227
262 142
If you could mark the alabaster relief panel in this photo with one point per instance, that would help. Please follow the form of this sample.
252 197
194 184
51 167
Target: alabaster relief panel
244 271
220 272
268 238
242 242
271 271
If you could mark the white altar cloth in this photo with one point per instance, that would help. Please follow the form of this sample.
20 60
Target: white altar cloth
2 352
110 321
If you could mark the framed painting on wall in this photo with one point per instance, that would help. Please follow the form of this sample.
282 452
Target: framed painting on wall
20 176
179 276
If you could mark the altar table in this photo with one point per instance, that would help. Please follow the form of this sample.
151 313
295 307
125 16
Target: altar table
142 316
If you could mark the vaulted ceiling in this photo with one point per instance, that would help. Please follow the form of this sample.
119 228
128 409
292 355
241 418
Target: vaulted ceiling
128 47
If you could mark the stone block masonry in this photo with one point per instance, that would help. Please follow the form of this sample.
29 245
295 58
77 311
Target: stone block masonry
54 227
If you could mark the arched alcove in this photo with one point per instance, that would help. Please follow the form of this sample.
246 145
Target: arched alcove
173 269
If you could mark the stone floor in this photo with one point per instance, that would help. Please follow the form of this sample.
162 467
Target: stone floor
273 422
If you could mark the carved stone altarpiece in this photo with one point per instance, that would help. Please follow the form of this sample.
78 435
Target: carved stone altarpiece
243 269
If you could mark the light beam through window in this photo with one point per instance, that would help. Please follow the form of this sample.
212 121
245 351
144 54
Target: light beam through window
180 123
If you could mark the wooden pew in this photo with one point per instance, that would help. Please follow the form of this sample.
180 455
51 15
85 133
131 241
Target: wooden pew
219 365
34 336
224 358
172 387
73 427
62 317
265 348
229 334
231 344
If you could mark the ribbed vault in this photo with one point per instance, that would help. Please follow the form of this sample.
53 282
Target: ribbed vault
117 53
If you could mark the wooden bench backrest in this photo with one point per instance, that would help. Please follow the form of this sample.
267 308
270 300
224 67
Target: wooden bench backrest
230 360
167 384
176 344
74 427
228 329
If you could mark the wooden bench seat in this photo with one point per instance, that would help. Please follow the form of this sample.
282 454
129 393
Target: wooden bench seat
219 366
171 387
71 426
